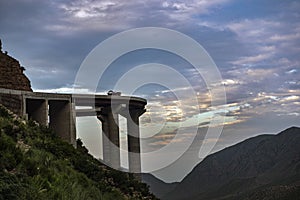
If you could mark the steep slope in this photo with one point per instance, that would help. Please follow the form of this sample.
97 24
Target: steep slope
254 164
36 164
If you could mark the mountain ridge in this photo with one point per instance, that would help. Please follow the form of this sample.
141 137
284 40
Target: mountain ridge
261 161
158 186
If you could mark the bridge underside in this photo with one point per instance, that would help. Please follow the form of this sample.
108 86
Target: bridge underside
54 112
108 109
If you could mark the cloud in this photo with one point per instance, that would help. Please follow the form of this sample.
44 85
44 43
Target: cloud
249 60
290 98
257 29
292 71
83 15
227 82
269 37
287 37
64 90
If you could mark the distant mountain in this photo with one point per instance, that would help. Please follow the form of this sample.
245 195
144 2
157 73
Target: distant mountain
252 169
157 186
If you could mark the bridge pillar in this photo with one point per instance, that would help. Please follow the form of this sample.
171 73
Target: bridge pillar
133 138
111 141
107 109
105 137
61 119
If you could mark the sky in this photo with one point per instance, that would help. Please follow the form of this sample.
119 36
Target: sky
254 44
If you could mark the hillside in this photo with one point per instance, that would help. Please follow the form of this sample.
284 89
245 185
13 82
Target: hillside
36 164
157 186
252 169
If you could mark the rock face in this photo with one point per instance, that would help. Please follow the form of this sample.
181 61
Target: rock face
11 73
12 77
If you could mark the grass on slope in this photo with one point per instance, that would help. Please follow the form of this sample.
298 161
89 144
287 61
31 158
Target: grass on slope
36 164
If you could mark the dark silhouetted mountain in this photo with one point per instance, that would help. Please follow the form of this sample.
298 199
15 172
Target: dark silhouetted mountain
252 169
157 186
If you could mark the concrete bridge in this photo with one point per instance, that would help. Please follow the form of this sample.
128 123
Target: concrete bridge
59 111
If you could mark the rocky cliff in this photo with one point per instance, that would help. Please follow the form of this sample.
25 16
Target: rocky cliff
12 77
11 73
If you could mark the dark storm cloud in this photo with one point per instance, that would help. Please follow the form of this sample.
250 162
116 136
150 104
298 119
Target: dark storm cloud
51 58
24 37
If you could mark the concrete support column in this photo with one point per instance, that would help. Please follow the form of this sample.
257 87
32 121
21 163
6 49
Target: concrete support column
115 159
105 137
110 127
60 117
73 125
133 134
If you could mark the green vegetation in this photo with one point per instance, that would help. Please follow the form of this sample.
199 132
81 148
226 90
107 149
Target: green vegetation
35 164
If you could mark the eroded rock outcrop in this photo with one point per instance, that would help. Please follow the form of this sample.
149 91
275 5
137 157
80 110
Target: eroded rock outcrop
11 73
12 77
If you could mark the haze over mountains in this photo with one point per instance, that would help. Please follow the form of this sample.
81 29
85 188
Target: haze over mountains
262 167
